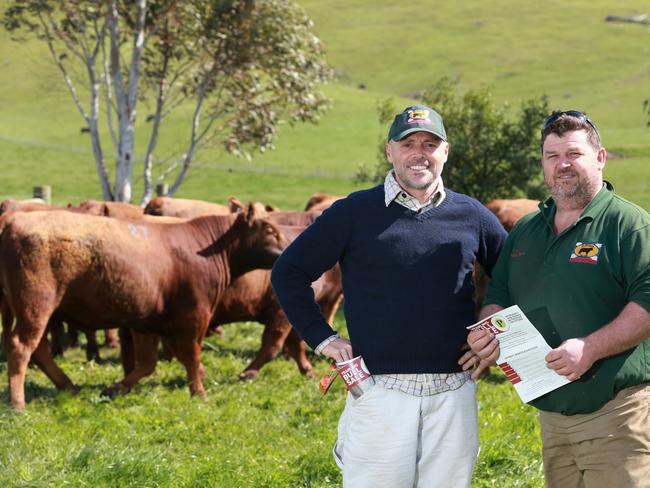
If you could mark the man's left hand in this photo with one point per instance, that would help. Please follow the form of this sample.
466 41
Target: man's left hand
570 359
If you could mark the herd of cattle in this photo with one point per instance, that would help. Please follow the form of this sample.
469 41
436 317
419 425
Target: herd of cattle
168 273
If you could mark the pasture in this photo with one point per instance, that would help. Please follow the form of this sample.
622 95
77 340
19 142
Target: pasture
277 430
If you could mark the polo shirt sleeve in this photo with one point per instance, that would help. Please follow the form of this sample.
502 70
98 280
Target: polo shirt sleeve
317 249
635 249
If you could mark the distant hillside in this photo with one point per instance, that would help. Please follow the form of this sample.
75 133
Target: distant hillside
379 49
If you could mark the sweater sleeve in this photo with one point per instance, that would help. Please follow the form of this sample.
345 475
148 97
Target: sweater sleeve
314 251
493 236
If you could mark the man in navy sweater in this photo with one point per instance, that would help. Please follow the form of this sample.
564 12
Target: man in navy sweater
406 250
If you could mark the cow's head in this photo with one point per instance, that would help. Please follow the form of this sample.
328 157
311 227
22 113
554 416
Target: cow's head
261 242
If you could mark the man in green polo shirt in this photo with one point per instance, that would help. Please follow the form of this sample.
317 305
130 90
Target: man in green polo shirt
580 269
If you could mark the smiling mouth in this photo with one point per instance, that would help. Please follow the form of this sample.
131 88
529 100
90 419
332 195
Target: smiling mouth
419 167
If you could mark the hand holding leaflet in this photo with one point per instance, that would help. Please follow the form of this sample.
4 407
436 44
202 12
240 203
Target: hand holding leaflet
522 354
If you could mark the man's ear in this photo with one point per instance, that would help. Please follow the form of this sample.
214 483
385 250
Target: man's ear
387 149
601 157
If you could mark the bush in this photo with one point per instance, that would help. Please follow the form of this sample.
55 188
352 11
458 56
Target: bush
490 155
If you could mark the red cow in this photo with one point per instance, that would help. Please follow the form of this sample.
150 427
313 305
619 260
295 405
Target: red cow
321 201
11 205
118 210
251 297
510 211
236 205
153 278
184 208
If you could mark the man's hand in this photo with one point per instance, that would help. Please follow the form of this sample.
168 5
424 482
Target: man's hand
571 358
483 353
339 350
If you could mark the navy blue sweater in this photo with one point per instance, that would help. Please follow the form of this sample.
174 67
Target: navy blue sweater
407 277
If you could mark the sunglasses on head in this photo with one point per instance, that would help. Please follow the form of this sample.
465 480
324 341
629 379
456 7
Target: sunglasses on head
571 113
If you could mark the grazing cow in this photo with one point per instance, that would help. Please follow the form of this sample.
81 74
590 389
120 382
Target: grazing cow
510 211
160 279
118 210
184 208
251 297
236 205
11 205
321 201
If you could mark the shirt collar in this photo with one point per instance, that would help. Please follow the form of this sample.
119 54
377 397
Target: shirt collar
392 191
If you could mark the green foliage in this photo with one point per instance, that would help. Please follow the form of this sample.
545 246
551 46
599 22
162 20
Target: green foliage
490 155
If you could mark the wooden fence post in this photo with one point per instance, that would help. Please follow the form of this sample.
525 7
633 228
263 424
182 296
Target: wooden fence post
43 192
162 189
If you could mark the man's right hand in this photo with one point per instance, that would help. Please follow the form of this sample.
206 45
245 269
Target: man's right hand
339 350
486 346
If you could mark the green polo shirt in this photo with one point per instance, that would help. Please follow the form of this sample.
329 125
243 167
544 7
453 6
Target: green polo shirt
572 284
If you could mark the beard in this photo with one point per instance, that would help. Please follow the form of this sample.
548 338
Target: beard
577 195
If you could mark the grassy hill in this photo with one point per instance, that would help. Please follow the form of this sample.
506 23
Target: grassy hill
379 49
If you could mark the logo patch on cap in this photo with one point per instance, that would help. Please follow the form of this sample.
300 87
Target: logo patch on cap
586 252
418 116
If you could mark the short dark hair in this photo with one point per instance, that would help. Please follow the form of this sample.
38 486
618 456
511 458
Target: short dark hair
562 122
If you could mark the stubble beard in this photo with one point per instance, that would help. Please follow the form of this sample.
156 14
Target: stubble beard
577 196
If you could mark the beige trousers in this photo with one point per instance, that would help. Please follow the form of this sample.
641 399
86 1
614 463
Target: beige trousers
390 439
609 448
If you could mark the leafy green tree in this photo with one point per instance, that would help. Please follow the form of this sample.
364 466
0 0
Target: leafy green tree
490 156
243 66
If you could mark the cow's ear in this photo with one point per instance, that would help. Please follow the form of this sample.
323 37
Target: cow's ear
105 212
251 214
235 205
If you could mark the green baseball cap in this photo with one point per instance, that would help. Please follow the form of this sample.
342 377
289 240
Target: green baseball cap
417 118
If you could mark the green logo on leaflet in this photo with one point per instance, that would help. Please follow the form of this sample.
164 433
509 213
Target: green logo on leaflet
500 323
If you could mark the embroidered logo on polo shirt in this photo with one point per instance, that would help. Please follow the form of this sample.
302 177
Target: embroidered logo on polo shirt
586 252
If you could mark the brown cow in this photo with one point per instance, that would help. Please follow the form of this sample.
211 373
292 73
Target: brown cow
235 205
11 205
184 208
510 211
56 325
118 210
154 278
321 201
251 297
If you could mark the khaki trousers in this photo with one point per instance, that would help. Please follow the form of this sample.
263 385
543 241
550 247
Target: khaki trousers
609 448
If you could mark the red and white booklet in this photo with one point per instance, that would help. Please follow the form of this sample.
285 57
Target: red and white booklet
522 354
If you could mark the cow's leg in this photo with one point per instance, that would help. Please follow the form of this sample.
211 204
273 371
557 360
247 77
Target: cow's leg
296 349
169 352
188 353
7 317
145 347
55 326
110 339
24 340
43 359
276 330
73 336
126 350
92 349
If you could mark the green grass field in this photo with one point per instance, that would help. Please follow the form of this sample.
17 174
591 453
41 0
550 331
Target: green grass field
278 430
